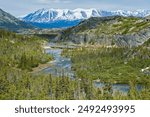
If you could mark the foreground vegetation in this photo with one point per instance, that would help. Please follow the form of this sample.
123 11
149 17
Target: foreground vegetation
23 86
20 54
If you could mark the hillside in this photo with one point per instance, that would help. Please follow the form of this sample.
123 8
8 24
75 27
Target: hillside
110 31
9 22
113 65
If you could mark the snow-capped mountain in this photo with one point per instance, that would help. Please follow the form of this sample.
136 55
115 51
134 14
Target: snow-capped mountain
57 15
47 15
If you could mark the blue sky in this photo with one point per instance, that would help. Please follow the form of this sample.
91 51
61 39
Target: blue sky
21 7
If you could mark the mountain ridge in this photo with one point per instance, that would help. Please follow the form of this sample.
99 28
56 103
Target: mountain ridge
9 22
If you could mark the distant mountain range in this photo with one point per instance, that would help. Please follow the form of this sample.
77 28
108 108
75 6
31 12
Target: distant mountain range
9 22
65 18
60 18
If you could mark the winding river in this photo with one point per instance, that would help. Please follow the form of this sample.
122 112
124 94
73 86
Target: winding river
61 66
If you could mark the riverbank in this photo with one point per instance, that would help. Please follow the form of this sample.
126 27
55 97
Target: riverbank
41 67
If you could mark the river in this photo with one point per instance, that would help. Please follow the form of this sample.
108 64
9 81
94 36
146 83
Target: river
61 66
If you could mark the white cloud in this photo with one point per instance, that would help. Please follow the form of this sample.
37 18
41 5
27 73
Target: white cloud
66 1
43 1
53 1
